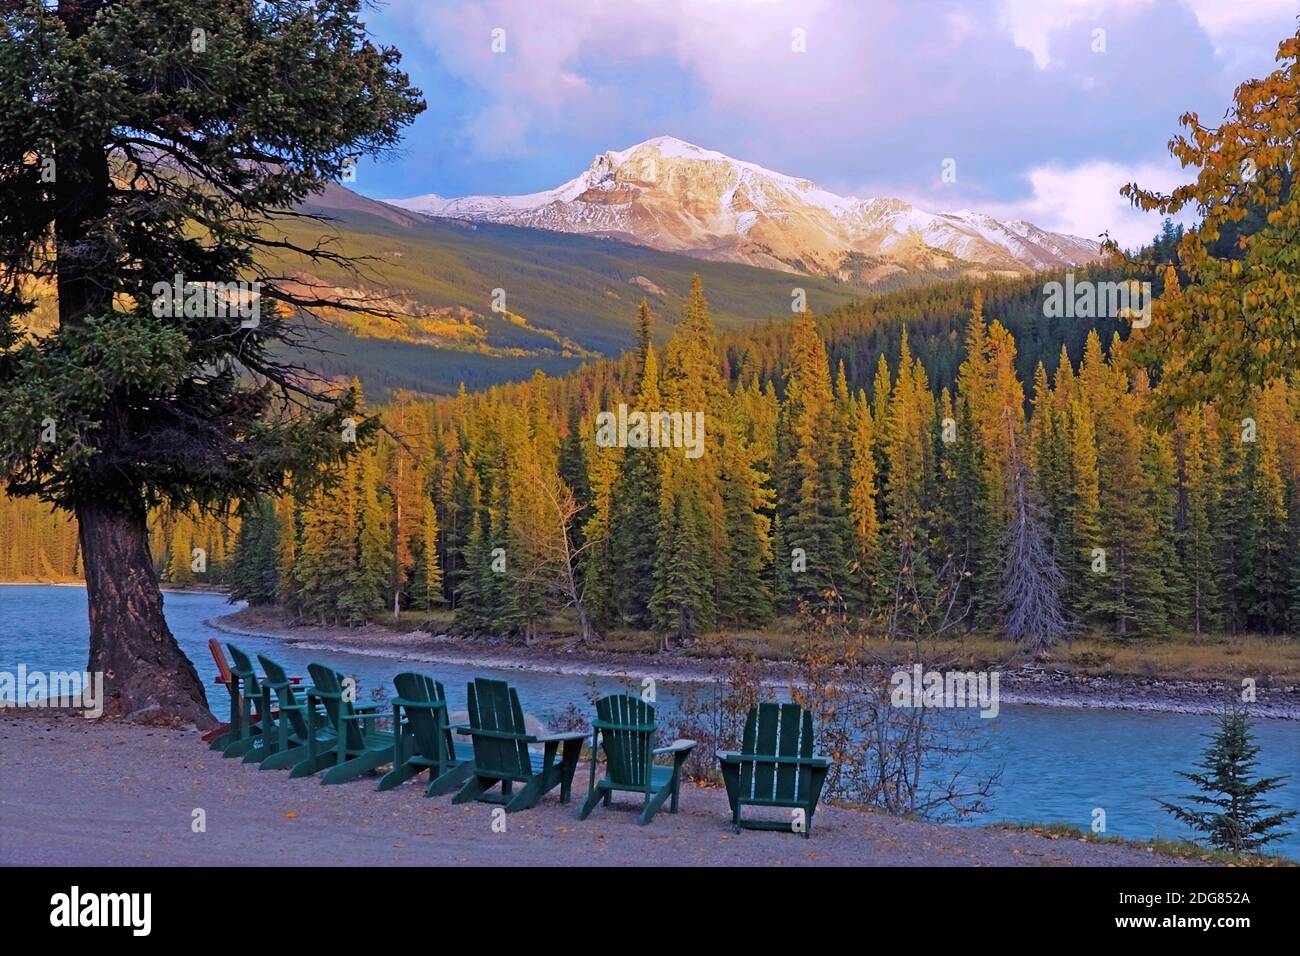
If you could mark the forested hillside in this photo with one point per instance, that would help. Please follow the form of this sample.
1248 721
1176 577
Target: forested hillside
905 490
867 457
566 298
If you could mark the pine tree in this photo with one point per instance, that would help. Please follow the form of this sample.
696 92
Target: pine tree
862 509
1231 516
162 406
1164 603
813 516
1085 566
473 579
907 578
599 566
573 467
1197 492
1050 460
634 503
182 542
743 593
256 572
1268 559
1133 586
984 394
426 574
1230 809
690 505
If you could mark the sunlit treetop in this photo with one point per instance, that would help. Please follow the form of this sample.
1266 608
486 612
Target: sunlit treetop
1233 322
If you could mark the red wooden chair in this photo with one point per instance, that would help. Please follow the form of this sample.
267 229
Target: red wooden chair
224 677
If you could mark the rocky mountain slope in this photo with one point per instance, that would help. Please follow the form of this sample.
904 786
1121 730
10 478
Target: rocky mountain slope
677 197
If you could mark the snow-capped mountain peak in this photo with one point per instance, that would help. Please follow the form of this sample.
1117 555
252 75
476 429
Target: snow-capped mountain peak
673 195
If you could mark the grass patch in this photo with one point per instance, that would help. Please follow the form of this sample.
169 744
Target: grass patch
1271 661
1178 849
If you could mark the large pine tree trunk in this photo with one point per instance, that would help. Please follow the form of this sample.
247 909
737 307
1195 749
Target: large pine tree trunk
146 676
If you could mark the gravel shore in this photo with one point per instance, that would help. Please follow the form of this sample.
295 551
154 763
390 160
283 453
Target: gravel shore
109 793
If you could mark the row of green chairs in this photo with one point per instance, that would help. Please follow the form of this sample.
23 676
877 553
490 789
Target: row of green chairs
278 723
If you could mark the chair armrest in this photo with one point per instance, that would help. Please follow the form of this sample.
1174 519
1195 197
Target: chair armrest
677 746
368 705
634 728
496 734
417 704
551 738
727 756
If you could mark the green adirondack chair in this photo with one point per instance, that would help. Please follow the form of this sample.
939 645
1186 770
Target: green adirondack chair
357 746
422 738
776 766
247 719
501 755
625 729
286 742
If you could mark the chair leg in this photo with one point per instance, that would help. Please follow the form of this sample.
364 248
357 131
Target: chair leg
450 780
568 766
654 803
474 788
284 758
593 797
528 796
239 747
309 766
399 774
351 769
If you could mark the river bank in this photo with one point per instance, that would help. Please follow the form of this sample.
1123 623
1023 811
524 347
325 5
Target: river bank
1027 684
149 784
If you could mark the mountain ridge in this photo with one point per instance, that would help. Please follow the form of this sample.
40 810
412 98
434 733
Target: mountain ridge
675 196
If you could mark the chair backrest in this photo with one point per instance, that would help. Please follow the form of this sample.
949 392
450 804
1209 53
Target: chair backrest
285 695
242 667
331 683
494 706
777 730
223 666
627 733
429 727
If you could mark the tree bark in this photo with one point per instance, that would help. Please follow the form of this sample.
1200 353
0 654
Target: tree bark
146 675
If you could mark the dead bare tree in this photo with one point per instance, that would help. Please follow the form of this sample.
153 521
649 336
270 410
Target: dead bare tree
1032 584
553 557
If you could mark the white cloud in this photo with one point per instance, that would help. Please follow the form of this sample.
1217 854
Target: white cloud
1084 200
1032 22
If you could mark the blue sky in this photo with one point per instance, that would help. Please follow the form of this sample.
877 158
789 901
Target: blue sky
1046 106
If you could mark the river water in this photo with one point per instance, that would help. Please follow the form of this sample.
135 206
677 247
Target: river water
1057 763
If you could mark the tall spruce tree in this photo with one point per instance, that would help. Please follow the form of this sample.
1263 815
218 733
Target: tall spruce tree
810 480
634 499
690 503
256 574
141 143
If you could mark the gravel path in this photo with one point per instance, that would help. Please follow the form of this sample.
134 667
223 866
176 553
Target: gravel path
77 792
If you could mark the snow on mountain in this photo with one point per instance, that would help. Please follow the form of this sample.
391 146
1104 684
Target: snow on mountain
679 197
